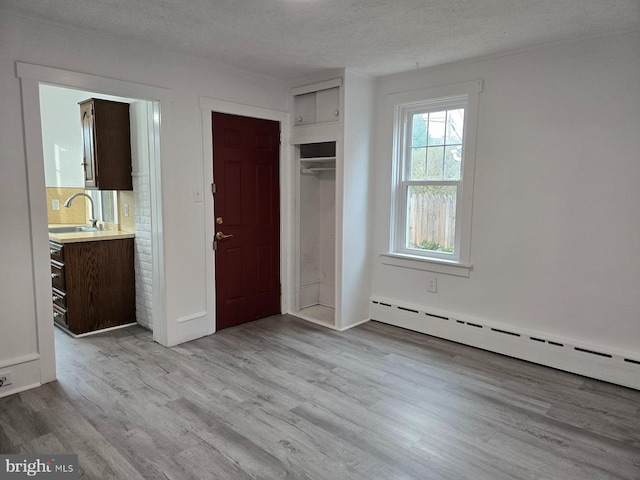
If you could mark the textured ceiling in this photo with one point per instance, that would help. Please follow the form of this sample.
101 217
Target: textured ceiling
294 38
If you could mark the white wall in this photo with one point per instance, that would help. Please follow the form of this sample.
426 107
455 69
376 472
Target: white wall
355 200
61 136
183 219
556 234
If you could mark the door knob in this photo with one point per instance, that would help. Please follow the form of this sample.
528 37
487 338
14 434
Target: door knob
220 236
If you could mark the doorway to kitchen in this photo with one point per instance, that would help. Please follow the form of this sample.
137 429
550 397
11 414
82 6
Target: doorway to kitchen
32 77
121 213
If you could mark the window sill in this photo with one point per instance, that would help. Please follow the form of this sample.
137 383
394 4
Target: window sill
428 264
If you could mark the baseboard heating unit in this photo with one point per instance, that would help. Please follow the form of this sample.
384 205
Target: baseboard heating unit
561 353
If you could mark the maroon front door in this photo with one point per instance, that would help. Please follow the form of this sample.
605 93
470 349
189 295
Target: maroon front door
247 218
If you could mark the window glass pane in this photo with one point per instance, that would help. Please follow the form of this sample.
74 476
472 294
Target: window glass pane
452 162
431 218
435 160
96 196
106 205
419 130
455 126
418 163
436 131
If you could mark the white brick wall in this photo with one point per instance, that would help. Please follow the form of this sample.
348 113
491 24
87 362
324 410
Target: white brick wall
143 269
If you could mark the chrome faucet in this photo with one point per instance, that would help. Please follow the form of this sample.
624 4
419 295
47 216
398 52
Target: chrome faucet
92 219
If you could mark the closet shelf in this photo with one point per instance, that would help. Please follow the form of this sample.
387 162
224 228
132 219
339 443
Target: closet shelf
317 169
318 159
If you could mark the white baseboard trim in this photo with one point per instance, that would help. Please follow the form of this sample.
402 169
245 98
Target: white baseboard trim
592 361
23 388
309 318
94 332
323 323
347 327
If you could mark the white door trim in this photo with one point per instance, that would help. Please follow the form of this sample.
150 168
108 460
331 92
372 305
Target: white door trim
31 76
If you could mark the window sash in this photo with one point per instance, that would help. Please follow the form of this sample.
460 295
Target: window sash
402 225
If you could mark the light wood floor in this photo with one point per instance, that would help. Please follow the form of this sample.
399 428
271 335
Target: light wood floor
282 398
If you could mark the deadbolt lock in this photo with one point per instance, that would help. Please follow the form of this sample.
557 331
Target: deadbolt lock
219 220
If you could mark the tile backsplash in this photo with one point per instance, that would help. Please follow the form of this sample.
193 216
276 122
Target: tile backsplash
126 210
79 212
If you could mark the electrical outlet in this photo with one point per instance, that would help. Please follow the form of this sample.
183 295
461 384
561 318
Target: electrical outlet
432 284
126 209
5 379
55 204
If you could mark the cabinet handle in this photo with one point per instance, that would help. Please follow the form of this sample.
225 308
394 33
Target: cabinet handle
52 251
56 298
56 314
55 275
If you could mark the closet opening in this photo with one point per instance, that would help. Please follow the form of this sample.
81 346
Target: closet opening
315 299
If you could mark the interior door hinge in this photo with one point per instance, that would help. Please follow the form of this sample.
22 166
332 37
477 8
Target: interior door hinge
215 245
213 188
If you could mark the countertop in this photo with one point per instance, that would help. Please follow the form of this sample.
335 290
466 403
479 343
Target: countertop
75 237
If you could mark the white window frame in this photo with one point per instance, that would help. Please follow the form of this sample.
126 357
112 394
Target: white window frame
402 107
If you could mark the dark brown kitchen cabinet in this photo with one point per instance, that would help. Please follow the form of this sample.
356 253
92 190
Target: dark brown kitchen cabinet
106 141
93 284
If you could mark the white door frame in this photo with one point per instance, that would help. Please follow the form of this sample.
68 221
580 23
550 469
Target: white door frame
208 106
31 76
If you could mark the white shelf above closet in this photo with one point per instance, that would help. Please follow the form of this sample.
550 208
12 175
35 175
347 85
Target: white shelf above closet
317 103
318 159
317 169
317 112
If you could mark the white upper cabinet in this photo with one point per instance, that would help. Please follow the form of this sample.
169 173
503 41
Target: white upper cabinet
317 111
304 107
313 108
328 105
317 103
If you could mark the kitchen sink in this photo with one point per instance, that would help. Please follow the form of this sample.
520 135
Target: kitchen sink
72 229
